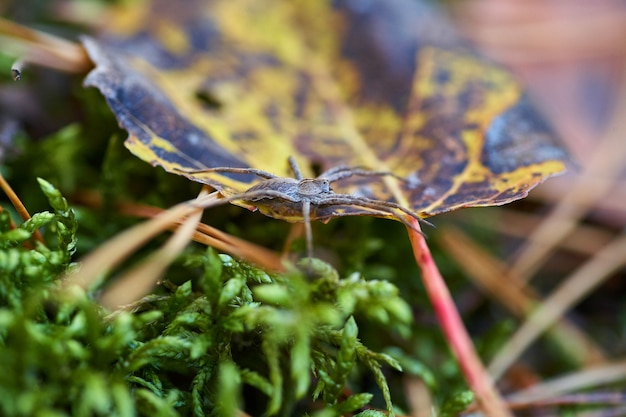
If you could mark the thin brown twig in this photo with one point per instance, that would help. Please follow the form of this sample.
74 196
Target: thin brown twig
19 206
12 224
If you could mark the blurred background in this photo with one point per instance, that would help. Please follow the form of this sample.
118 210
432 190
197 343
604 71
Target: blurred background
567 239
570 55
562 251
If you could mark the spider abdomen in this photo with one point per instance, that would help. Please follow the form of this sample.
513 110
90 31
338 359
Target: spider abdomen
286 186
286 210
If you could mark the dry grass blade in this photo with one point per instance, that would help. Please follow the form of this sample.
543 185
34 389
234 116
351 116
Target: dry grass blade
110 254
43 49
612 202
585 239
493 277
573 382
418 396
139 280
575 287
240 248
114 251
217 239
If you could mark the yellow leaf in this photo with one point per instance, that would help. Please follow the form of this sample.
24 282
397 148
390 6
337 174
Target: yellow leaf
383 84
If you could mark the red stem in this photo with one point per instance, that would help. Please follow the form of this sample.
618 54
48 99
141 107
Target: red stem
456 335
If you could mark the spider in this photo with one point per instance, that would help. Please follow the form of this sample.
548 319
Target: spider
296 199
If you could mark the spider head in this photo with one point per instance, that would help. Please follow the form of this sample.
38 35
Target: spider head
314 186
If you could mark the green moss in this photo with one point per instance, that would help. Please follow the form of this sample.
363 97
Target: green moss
456 403
191 348
217 334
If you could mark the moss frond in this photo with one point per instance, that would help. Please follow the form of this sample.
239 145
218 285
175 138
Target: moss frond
215 328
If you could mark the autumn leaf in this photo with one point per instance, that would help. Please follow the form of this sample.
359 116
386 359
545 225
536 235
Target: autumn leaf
381 84
384 84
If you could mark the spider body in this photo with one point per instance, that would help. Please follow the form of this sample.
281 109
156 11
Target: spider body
298 199
284 197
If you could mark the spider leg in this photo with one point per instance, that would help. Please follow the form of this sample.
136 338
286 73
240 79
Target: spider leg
385 206
332 171
249 196
400 218
403 209
256 195
390 204
295 168
306 215
258 172
346 172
